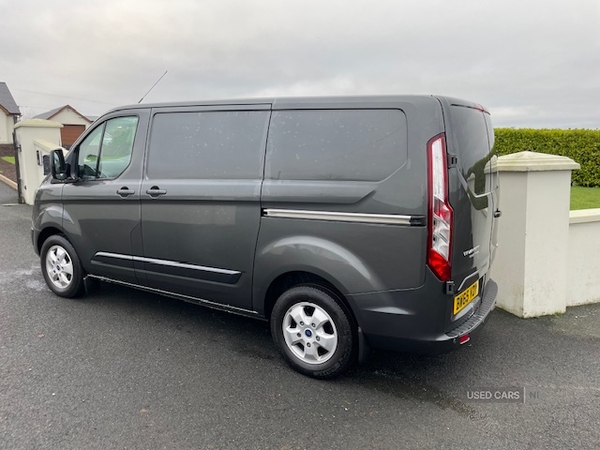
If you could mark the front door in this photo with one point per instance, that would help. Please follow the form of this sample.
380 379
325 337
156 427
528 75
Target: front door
201 201
102 206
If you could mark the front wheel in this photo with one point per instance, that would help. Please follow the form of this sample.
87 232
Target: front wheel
61 267
313 332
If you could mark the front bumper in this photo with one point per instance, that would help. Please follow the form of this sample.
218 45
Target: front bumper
33 241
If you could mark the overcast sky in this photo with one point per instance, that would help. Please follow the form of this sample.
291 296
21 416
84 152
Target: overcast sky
533 63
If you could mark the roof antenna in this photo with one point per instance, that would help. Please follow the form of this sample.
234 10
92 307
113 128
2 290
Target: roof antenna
157 81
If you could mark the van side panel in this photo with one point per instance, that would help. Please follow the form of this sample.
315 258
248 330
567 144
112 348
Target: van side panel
333 197
355 258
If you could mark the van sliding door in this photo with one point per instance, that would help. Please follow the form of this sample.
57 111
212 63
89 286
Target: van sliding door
200 201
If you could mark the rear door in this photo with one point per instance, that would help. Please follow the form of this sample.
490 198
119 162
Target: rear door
473 190
201 201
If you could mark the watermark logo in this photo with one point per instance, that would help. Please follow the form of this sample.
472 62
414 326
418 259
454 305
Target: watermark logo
498 395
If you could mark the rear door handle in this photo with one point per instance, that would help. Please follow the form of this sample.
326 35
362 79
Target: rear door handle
125 191
154 191
497 213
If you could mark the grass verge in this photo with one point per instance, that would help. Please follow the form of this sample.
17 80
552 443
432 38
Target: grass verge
585 197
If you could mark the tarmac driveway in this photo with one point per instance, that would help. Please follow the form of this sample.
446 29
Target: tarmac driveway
127 369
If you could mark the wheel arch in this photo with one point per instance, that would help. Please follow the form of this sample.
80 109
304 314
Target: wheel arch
45 234
290 279
304 259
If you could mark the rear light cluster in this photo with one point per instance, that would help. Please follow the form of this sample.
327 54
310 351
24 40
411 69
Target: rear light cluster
441 215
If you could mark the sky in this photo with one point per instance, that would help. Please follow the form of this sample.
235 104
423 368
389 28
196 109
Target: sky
532 63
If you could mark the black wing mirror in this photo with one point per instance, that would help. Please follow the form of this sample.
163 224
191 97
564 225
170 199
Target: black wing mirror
58 168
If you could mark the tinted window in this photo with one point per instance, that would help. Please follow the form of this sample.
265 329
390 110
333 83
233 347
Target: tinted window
471 134
208 145
362 145
106 152
474 144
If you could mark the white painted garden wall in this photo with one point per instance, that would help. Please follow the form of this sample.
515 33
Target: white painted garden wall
36 138
548 258
583 274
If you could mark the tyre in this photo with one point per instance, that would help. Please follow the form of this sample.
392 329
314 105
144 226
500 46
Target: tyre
313 332
61 267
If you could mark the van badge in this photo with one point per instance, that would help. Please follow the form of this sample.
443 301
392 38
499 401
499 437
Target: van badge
471 252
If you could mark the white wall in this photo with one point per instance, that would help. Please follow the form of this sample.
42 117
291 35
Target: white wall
69 117
548 257
6 128
583 276
34 135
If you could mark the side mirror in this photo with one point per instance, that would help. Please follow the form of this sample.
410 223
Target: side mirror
58 168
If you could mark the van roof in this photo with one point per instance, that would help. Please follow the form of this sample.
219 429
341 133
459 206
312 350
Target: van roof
307 102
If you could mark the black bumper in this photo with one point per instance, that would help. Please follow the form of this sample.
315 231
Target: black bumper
415 329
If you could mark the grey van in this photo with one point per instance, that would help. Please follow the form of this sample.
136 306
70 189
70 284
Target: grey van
348 223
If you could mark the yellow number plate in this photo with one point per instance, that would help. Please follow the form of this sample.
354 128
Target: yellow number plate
465 297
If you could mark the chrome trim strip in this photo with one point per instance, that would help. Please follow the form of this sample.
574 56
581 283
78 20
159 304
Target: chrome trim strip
388 219
114 255
188 298
163 262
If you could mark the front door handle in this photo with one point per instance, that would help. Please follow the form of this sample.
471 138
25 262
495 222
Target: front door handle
154 191
125 191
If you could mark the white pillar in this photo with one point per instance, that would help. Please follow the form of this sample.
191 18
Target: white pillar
35 137
533 233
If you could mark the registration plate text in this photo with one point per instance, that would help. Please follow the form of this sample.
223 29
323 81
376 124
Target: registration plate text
465 297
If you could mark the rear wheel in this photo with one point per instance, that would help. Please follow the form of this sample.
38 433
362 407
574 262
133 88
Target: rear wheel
313 332
61 267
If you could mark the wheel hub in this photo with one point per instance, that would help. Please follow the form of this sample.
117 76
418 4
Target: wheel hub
310 333
59 267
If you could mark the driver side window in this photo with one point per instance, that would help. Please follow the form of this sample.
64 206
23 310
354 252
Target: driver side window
89 150
106 152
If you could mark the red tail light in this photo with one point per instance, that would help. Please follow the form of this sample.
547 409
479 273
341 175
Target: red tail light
441 215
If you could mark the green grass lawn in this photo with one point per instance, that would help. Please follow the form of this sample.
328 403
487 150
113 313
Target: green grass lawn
10 159
584 197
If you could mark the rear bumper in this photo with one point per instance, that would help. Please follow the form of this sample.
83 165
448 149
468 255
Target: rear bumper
416 321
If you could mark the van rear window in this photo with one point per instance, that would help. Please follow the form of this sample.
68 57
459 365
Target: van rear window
353 145
473 144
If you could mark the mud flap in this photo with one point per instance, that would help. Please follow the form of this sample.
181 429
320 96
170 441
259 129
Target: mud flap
363 347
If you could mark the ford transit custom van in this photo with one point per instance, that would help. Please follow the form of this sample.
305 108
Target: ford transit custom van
348 223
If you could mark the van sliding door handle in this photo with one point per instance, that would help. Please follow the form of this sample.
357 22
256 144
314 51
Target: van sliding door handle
497 213
154 192
125 191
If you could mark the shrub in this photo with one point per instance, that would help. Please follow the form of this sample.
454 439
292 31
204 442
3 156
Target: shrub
582 146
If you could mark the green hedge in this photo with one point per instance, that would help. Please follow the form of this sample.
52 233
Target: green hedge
582 146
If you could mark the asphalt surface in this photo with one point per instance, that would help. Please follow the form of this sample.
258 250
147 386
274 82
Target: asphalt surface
122 369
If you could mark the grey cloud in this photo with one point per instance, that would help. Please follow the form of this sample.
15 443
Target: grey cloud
533 63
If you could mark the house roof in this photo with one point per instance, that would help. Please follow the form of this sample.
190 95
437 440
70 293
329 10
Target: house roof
7 102
53 112
46 115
